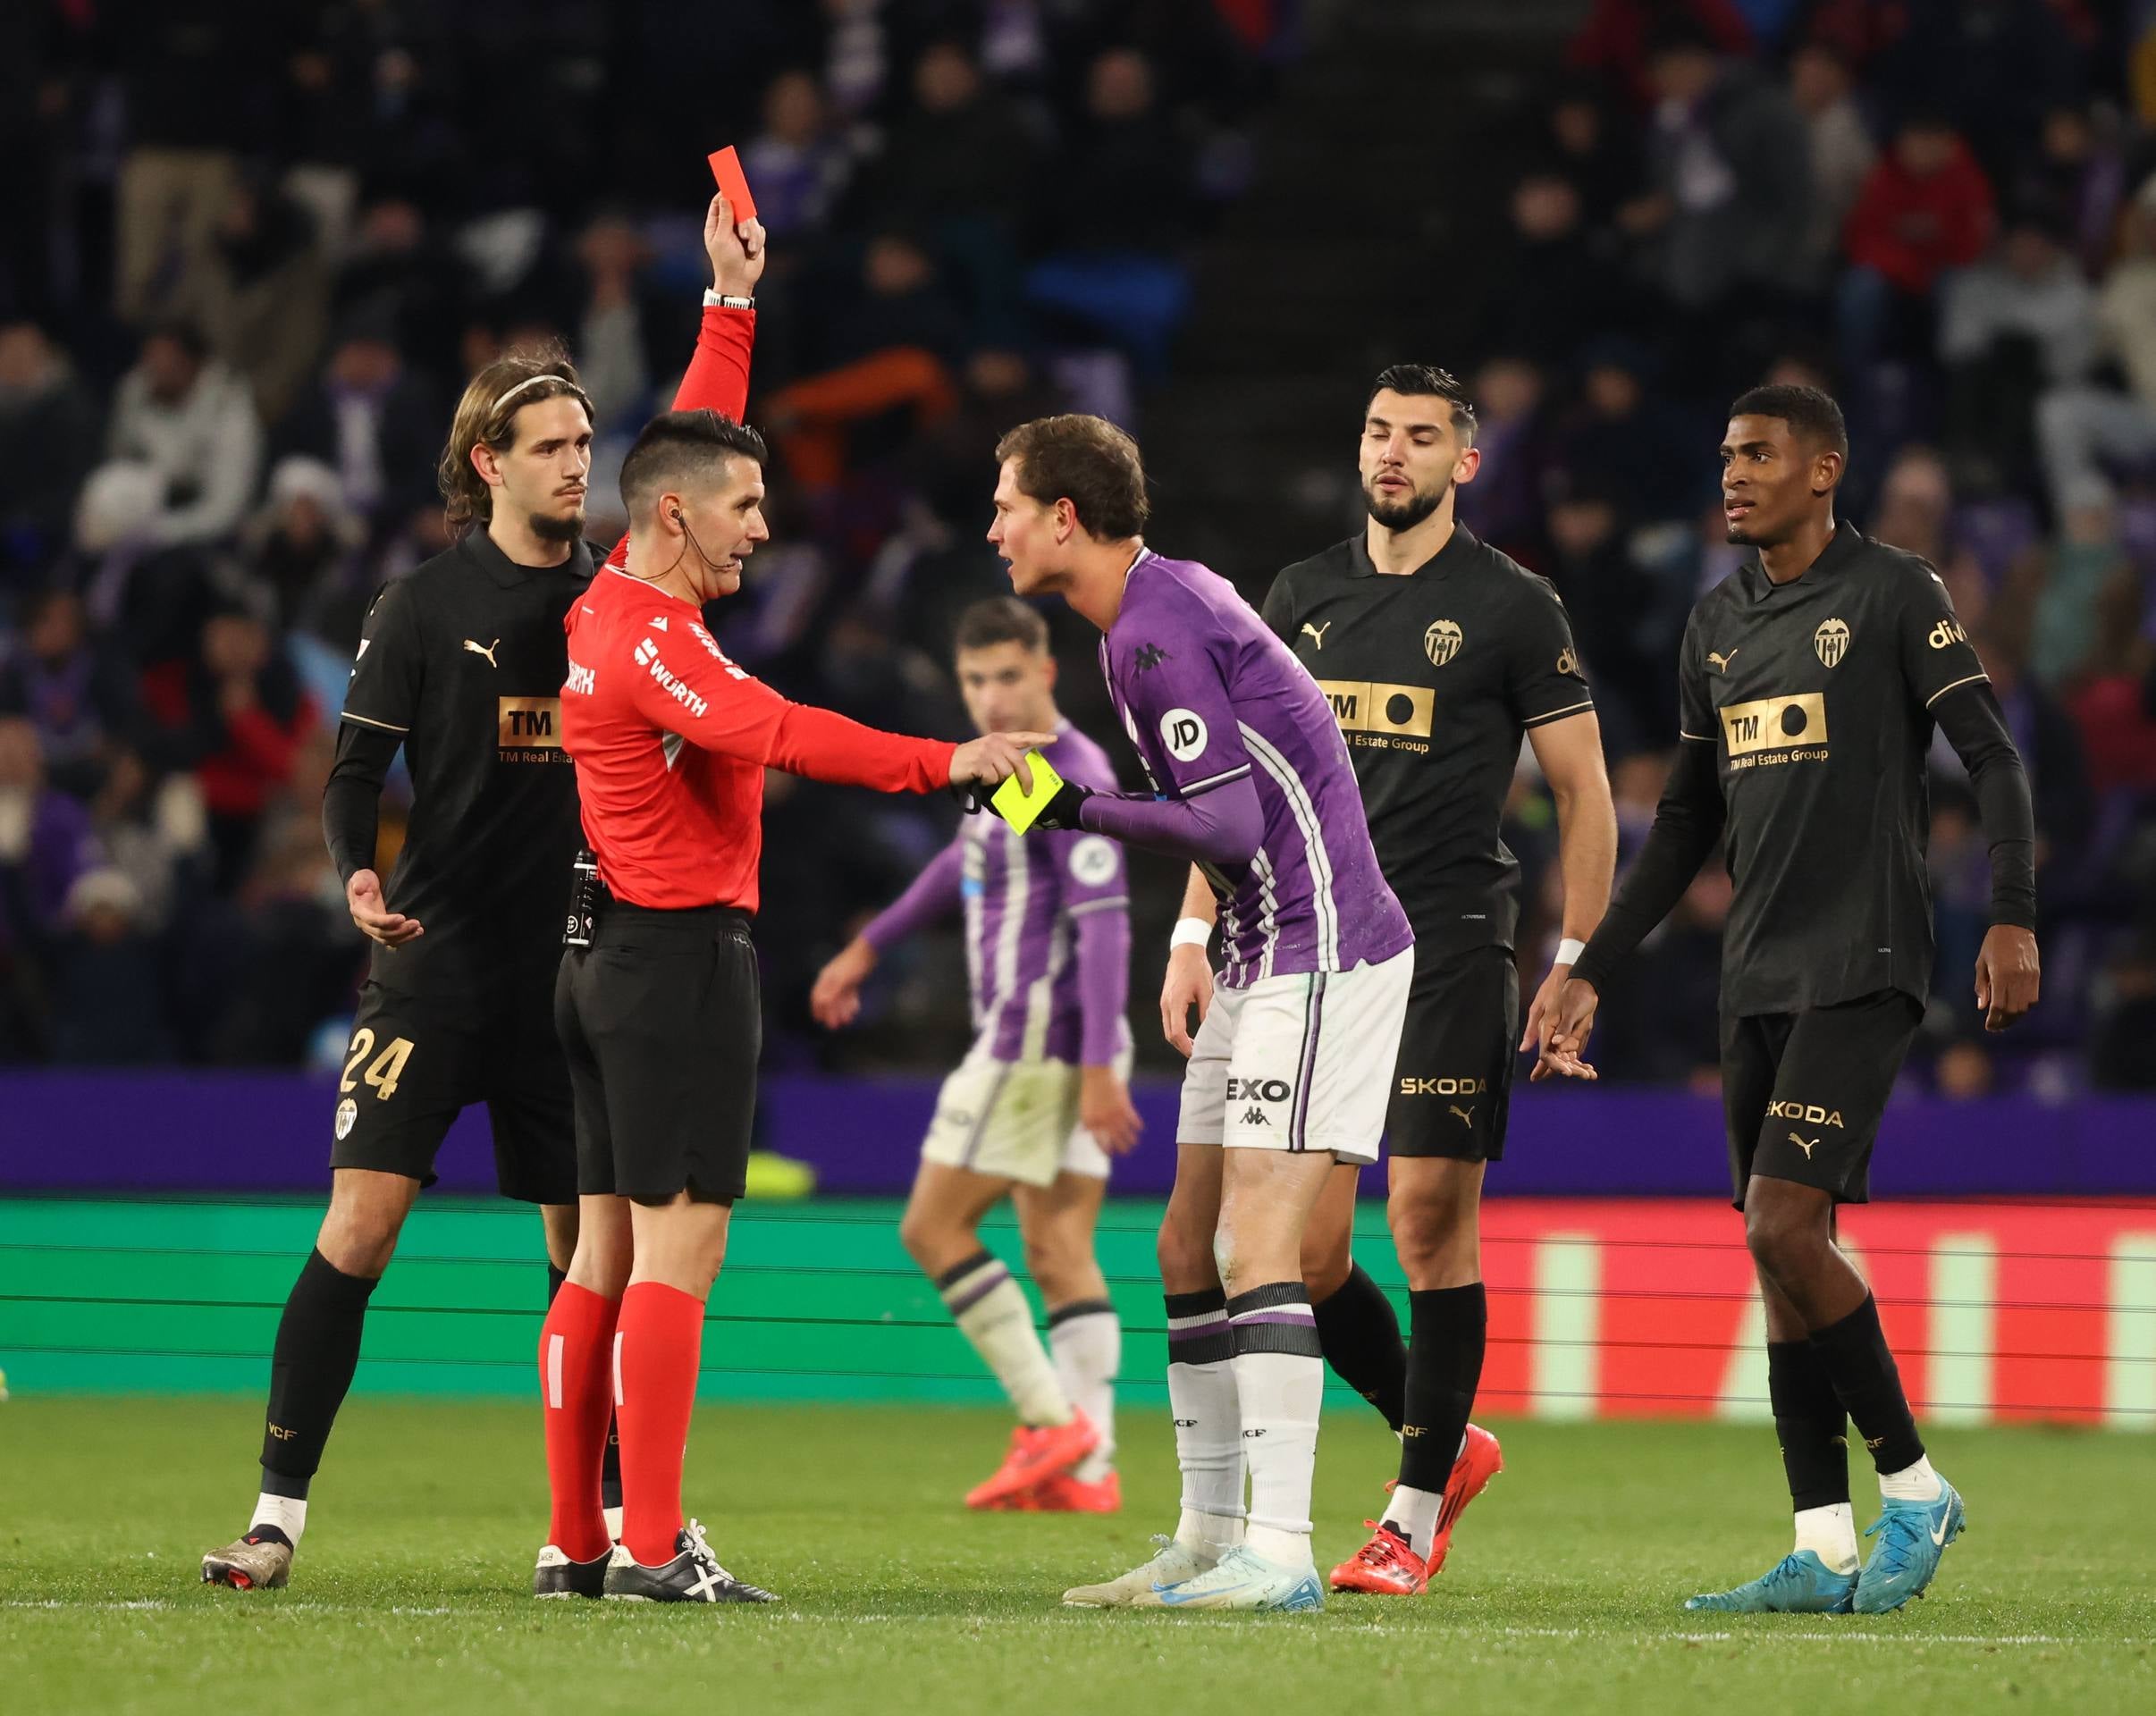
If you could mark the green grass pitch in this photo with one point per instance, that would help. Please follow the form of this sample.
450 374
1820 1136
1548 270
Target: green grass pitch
1563 1594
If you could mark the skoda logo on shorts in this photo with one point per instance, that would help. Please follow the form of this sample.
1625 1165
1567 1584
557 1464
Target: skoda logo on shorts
1442 641
348 1116
1832 641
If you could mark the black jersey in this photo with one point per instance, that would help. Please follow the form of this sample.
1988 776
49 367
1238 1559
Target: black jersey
1817 695
1434 677
465 659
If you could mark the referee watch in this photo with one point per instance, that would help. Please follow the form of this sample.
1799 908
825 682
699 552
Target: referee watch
726 301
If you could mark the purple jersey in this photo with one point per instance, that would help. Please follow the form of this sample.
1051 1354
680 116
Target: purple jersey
1028 906
1209 695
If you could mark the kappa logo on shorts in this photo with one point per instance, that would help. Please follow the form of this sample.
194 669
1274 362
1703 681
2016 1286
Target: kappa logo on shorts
1810 1113
1255 1117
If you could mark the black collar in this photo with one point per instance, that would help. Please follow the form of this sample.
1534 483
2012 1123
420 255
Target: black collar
1458 550
487 555
1842 548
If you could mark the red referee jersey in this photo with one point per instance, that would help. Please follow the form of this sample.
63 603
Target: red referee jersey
670 741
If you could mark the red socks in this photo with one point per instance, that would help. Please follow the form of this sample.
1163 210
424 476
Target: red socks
658 1341
576 1351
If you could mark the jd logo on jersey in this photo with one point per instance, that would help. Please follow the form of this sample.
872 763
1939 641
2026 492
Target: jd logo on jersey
1773 724
1442 641
1831 642
1182 731
528 729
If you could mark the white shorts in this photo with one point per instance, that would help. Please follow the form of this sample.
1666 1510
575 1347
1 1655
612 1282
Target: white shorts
1299 1063
1015 1119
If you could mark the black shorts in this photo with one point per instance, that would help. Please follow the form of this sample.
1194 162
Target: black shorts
662 1021
1452 1088
415 1063
1803 1093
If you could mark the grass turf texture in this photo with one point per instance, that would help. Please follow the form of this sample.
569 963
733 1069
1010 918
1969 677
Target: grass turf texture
410 1590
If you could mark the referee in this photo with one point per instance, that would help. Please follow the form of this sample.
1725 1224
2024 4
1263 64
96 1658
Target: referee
659 1009
460 666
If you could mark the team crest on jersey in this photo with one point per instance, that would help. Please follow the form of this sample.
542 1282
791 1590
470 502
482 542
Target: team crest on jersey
1442 641
1831 642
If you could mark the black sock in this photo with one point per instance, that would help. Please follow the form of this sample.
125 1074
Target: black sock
1810 1423
1361 1333
609 1468
1446 1330
1855 1353
311 1369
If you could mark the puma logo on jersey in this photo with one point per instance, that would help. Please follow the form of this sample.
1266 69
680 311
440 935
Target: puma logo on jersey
1466 1115
1807 1146
1317 632
487 650
1720 662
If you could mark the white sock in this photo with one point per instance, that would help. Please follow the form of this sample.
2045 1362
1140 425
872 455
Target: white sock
1413 1514
1918 1483
1209 1420
288 1513
991 1310
1279 1383
613 1523
1829 1532
1087 1338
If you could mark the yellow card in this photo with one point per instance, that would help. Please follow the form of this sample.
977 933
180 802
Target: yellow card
1019 807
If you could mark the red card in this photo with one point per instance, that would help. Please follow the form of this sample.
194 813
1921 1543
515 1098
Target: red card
726 168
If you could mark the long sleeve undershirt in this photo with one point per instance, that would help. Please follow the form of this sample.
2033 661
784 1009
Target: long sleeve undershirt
1222 828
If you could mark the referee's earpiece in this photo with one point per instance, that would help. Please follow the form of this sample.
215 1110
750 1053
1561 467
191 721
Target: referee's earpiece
678 517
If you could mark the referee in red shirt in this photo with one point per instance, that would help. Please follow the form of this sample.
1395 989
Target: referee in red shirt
660 1013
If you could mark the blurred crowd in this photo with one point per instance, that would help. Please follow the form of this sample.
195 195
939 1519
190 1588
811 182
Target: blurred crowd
255 250
260 246
1944 213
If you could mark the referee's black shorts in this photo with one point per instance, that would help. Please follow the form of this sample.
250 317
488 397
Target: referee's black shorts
1452 1088
415 1062
662 1022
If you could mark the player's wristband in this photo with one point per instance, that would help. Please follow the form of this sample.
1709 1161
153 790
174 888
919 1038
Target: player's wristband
1568 951
715 300
1190 932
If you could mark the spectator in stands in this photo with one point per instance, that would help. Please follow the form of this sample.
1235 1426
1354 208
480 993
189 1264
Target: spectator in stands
260 293
2021 320
108 996
189 424
1842 153
401 268
45 843
961 150
300 548
75 690
1616 40
1550 281
1728 180
1624 438
1123 209
2050 746
235 718
1504 504
1926 209
48 442
2082 426
797 164
1994 68
370 420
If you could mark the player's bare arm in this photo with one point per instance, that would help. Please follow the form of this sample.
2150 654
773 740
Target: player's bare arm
1570 752
1189 981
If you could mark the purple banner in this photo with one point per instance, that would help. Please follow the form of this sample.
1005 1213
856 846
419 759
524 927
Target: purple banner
270 1132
